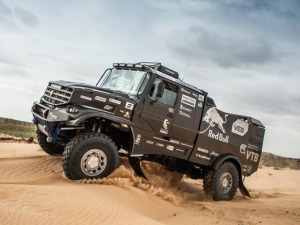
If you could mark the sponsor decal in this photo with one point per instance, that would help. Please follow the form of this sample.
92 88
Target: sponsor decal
174 141
165 130
171 110
195 95
180 150
185 91
118 102
53 116
213 118
170 147
101 99
85 97
55 86
149 142
213 153
138 139
184 114
203 150
202 156
188 100
252 156
243 148
108 107
187 145
218 136
253 147
240 127
129 105
127 115
201 98
160 145
185 108
200 104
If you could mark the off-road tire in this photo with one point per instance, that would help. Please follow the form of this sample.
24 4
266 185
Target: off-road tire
49 148
221 183
90 156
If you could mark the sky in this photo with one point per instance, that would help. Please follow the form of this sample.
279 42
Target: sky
245 54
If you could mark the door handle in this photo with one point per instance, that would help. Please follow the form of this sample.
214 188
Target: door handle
171 115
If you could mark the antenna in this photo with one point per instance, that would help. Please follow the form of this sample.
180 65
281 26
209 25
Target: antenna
187 64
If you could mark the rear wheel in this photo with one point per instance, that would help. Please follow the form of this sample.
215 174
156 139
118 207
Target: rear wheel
89 156
222 183
49 148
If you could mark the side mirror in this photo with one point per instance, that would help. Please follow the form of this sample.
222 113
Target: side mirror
160 90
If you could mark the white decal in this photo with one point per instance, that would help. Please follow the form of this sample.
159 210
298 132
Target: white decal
108 107
218 136
202 156
174 141
55 86
240 127
53 116
129 105
185 108
170 147
149 142
138 139
185 91
85 97
101 99
195 95
203 150
188 100
201 98
115 101
212 117
213 153
180 150
159 145
171 110
252 156
184 114
127 115
253 147
165 125
200 104
187 145
243 148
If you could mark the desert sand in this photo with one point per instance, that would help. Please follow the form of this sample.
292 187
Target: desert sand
34 190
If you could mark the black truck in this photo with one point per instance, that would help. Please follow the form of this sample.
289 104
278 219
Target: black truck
143 111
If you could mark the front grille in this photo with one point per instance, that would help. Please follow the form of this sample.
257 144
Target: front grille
57 95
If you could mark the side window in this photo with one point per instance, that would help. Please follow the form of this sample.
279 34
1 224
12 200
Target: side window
169 95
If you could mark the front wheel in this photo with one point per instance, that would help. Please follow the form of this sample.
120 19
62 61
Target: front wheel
49 148
89 156
222 183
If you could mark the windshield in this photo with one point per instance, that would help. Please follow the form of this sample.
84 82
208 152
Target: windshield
131 82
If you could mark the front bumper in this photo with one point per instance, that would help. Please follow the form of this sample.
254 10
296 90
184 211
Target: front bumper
50 115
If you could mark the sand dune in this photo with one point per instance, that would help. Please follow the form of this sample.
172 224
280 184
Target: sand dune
34 190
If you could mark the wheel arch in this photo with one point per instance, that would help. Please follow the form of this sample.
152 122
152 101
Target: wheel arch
227 157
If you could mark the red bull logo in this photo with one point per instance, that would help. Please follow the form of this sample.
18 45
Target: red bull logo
212 117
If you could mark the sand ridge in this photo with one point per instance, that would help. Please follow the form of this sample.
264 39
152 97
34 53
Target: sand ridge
34 190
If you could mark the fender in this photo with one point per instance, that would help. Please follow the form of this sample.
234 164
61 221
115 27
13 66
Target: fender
218 161
112 117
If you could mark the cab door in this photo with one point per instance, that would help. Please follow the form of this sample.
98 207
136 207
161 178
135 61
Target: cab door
158 111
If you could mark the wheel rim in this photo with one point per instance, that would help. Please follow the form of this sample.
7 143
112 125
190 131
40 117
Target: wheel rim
93 162
226 182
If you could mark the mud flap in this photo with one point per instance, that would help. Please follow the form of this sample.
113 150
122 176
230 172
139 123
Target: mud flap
136 165
244 190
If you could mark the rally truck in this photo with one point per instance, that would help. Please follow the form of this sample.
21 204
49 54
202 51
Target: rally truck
144 111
